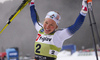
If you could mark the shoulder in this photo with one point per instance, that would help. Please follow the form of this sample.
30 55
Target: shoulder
62 32
41 31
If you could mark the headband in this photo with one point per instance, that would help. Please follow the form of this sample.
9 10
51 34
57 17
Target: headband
54 16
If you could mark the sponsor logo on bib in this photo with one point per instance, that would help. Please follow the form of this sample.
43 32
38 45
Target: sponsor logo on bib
45 39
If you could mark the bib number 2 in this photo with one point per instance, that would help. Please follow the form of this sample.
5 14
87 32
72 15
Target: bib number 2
38 48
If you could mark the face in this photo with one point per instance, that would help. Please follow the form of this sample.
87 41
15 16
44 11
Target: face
49 25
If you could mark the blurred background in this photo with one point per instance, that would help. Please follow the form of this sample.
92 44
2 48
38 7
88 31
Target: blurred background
22 34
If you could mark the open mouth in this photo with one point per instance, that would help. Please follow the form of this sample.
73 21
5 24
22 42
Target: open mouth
47 30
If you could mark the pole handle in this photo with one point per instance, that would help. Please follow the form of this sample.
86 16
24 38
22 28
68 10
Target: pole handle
89 1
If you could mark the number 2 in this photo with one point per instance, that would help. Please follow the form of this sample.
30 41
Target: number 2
39 47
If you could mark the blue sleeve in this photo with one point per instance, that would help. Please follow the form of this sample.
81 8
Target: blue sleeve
34 14
79 21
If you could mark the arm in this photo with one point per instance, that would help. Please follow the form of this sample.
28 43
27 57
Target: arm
34 16
79 21
66 33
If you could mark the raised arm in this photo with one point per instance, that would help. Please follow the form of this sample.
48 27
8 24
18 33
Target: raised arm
34 16
80 19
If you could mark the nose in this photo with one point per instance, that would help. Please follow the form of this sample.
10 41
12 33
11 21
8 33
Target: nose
48 26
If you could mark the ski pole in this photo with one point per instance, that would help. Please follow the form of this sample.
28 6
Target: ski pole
90 19
23 4
94 22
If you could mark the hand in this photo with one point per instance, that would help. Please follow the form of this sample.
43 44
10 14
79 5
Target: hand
84 6
32 0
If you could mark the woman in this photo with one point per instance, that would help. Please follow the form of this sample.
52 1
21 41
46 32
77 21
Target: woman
50 40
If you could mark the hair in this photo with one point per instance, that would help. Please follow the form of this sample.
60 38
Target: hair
57 12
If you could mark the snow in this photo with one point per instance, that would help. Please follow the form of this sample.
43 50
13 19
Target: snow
66 55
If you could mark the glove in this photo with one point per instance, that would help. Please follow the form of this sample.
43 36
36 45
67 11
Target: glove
32 2
84 7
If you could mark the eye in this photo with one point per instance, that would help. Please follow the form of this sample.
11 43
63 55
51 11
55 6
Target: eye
51 24
46 22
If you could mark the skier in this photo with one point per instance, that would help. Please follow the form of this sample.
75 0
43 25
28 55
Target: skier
49 40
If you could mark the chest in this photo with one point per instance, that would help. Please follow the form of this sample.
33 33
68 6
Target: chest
48 39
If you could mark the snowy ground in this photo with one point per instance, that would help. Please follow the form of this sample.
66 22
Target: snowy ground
66 55
78 55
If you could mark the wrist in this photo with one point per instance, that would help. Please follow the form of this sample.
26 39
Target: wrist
84 14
